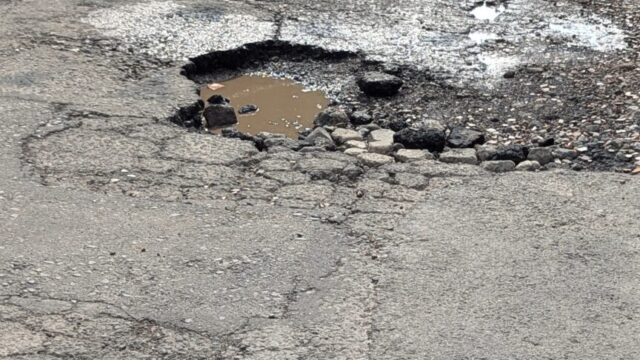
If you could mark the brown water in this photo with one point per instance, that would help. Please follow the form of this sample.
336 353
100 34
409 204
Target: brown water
284 106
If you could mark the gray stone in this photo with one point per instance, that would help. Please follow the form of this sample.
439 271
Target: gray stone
320 136
381 135
543 155
528 165
355 144
332 117
374 160
431 124
515 152
410 155
429 138
311 149
379 84
498 166
381 141
341 135
220 115
564 154
355 151
459 156
361 118
285 142
461 137
380 147
269 135
486 152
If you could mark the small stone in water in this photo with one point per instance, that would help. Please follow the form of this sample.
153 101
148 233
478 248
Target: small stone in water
215 86
247 109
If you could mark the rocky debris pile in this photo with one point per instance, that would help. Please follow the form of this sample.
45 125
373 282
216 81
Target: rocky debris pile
355 134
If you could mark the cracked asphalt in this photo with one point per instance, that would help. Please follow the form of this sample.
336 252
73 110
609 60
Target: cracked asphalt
124 236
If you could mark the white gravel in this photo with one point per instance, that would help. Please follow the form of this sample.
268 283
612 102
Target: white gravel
435 34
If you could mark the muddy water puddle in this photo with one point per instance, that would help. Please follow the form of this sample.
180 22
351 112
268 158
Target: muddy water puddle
283 106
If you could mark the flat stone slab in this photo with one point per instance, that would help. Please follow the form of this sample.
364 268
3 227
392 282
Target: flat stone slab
374 160
341 135
409 155
459 156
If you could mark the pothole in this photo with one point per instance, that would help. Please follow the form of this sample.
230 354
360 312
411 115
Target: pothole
268 104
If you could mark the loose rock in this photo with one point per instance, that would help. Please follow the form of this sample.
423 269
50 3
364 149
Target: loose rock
355 151
341 135
219 115
461 137
356 144
421 138
361 118
332 117
380 84
218 100
498 166
486 152
459 156
409 155
381 141
564 154
543 155
319 136
528 165
515 153
374 160
247 109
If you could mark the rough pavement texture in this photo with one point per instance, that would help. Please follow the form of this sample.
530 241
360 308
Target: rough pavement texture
127 237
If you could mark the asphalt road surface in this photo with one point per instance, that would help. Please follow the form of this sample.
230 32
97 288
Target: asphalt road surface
124 236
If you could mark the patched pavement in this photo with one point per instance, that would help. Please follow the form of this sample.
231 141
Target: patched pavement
126 236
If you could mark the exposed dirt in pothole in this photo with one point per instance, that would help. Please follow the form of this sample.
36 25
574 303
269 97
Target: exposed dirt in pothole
266 104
